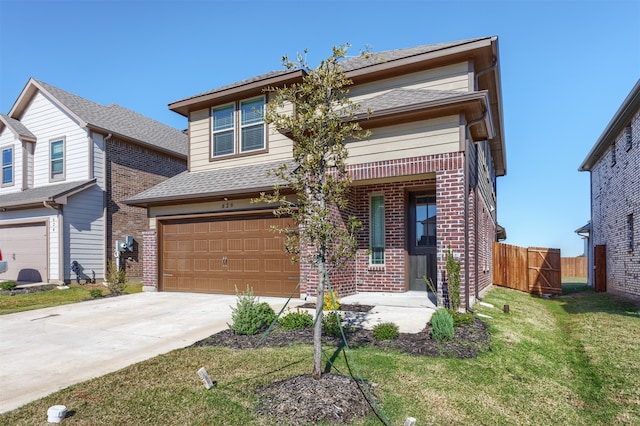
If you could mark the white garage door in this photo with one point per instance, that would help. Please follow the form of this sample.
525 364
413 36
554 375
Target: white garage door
25 249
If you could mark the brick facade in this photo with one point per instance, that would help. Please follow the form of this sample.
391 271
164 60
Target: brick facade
132 169
150 261
615 199
446 171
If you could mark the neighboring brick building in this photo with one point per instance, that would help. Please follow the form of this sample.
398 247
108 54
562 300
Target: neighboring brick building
423 182
67 165
614 163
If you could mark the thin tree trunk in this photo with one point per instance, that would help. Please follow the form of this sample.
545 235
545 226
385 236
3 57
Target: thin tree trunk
317 330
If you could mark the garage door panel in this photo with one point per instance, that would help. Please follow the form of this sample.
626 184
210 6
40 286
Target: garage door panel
234 245
232 253
25 246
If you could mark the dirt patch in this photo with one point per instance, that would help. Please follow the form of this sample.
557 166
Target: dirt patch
335 399
345 308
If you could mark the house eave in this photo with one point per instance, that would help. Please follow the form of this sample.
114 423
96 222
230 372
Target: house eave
198 198
120 136
206 100
620 120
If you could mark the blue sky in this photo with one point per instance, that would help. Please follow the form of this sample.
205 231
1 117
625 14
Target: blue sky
566 68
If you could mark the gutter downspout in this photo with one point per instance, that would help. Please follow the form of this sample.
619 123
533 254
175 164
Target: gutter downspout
58 210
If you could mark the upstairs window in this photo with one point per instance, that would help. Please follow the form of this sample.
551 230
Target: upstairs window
628 133
56 159
7 166
238 128
376 237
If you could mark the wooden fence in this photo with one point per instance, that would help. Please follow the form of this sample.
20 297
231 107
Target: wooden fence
533 270
574 266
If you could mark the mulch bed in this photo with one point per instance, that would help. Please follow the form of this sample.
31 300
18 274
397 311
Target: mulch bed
336 399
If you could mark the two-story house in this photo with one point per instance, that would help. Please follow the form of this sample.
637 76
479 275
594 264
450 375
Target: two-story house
423 182
614 166
67 163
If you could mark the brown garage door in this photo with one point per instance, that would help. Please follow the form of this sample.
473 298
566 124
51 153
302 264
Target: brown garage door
217 256
25 248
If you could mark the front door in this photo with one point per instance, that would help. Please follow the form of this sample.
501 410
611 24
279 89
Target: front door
422 240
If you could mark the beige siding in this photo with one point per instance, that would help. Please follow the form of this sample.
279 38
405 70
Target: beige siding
280 147
427 137
453 77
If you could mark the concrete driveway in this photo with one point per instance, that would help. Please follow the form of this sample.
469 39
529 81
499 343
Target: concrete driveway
45 350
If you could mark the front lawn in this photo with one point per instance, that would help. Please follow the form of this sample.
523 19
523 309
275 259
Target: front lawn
48 298
572 360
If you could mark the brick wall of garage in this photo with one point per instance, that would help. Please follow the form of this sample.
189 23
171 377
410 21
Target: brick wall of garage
132 169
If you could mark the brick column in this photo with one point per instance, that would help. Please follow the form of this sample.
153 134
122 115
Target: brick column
149 261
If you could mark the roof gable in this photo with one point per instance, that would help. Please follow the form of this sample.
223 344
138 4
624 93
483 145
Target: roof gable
113 119
19 130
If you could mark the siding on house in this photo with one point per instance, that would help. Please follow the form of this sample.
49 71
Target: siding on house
416 139
84 226
455 77
47 121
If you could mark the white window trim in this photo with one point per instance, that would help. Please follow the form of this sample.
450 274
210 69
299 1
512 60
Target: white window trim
232 129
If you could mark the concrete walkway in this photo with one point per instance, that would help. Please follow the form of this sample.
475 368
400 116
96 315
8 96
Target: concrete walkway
49 349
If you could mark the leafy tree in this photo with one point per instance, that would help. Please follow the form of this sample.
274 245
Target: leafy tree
320 125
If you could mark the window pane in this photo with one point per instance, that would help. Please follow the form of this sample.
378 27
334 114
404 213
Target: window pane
252 111
252 138
7 157
57 168
377 230
223 143
57 150
223 118
7 174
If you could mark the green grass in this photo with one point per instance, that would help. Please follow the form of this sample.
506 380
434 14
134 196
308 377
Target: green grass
45 299
572 359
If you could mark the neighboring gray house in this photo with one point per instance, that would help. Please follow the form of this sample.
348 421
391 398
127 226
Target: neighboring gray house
67 162
614 240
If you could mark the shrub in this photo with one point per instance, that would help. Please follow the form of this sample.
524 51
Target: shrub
8 285
453 272
461 319
296 320
249 315
331 324
95 293
116 279
442 325
385 331
331 301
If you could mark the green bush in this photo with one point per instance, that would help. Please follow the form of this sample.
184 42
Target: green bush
250 316
296 320
95 293
8 285
116 279
461 319
331 324
442 325
385 331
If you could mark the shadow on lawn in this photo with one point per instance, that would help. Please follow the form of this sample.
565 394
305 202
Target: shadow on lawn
578 298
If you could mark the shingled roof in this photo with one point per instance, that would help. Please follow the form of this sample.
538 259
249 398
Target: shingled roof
114 119
49 193
231 181
376 58
18 129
